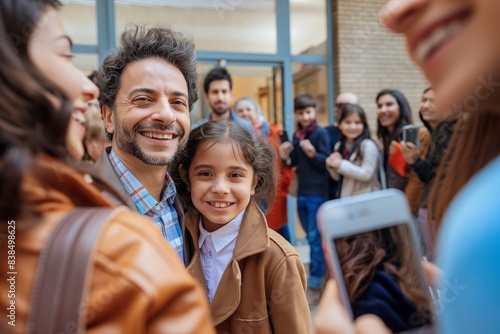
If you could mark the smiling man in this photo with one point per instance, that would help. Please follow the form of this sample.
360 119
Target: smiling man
147 89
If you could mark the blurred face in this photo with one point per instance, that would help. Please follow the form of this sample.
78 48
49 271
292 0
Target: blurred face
151 119
219 98
95 147
343 99
221 183
246 110
352 127
49 49
455 43
305 116
427 108
388 111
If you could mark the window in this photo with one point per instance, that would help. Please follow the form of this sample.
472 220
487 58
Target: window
216 25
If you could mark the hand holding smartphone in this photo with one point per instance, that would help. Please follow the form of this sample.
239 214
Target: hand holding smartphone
372 251
283 136
411 134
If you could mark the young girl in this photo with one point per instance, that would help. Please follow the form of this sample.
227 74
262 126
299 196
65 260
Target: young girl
355 160
277 215
254 279
307 153
136 283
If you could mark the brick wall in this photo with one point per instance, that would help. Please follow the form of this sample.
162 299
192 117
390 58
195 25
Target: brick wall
368 58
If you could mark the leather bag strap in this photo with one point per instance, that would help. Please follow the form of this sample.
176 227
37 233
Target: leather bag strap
62 278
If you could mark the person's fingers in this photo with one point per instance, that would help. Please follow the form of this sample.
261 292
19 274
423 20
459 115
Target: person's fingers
326 252
392 148
410 145
332 318
371 324
432 273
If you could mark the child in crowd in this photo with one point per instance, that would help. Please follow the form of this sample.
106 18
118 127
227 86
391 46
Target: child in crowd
355 162
253 277
308 153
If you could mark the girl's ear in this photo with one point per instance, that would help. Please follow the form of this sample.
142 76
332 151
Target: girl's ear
255 181
185 177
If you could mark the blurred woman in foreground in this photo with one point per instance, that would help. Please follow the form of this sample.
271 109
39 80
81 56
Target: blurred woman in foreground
41 88
462 65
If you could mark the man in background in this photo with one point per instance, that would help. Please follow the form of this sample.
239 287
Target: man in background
218 87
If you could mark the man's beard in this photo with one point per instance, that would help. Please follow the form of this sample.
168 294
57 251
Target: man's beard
125 141
221 111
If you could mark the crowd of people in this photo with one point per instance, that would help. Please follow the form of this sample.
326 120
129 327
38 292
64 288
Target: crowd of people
204 244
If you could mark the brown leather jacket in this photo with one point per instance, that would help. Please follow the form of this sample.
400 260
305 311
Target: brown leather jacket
414 187
138 284
263 287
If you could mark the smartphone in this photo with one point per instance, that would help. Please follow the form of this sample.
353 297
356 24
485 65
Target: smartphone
411 133
371 248
283 136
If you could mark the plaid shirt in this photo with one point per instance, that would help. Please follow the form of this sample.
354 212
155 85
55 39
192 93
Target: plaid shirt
162 213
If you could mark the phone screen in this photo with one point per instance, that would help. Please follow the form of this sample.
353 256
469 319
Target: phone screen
412 134
382 275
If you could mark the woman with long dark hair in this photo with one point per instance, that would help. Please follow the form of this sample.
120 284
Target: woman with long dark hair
382 279
393 112
136 282
462 66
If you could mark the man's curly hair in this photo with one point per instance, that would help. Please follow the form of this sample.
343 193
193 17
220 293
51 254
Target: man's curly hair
142 42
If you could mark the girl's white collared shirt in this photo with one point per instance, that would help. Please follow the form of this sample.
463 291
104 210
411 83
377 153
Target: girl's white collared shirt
216 250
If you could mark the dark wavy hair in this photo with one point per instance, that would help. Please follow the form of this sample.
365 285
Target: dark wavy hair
303 101
349 109
405 117
256 151
216 73
362 255
29 122
142 42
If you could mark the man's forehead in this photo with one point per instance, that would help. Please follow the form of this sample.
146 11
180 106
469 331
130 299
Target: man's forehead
346 98
219 84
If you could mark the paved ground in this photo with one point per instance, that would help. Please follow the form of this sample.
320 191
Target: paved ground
303 250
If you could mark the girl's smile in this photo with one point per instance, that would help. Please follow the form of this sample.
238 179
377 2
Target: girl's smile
221 183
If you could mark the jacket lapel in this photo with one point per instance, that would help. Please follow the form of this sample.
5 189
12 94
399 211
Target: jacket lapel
252 239
103 173
181 217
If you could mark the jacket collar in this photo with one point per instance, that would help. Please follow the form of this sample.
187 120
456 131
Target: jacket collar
106 178
54 182
252 239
